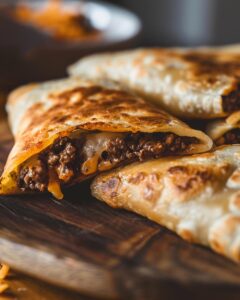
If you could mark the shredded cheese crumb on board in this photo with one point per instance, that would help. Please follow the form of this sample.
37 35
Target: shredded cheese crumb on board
4 270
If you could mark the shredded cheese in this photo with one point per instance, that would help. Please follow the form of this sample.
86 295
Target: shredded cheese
62 23
4 269
3 287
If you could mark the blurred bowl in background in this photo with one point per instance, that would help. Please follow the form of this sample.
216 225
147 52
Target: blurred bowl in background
28 53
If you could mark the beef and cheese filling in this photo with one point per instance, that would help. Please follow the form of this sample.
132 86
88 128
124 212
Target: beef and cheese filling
231 102
71 158
230 137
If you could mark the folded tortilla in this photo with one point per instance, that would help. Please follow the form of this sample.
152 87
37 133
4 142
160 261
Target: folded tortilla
197 197
68 130
225 131
190 83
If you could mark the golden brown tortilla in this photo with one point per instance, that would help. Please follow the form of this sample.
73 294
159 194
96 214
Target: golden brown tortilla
76 120
197 197
190 83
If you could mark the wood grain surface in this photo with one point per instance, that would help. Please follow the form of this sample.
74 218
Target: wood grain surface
23 287
84 245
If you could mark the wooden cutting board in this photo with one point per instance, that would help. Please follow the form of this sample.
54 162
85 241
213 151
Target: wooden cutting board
82 244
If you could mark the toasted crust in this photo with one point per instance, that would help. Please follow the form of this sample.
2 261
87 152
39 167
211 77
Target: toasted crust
197 196
188 83
39 114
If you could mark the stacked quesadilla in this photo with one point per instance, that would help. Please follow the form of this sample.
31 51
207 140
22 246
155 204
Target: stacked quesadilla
69 130
197 196
118 113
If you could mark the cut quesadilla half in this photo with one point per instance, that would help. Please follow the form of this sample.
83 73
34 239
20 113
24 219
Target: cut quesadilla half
190 83
197 197
68 130
225 131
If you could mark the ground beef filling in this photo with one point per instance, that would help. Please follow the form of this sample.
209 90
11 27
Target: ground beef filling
231 102
63 157
146 146
66 156
34 177
230 137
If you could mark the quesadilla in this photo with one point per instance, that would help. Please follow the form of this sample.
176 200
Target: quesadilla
69 130
225 131
197 197
189 83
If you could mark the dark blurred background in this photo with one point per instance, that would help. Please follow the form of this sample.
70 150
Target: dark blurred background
186 22
28 55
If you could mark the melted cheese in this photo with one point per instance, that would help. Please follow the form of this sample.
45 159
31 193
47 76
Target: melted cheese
105 165
92 150
90 166
54 185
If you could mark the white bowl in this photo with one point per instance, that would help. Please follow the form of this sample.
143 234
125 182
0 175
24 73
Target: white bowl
35 55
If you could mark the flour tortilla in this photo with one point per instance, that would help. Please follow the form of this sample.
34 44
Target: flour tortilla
197 197
196 83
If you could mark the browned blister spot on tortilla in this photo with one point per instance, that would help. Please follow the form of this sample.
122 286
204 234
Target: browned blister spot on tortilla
81 92
187 235
137 178
34 109
235 202
149 184
232 223
110 187
28 145
235 177
187 178
151 193
191 180
217 246
210 64
224 236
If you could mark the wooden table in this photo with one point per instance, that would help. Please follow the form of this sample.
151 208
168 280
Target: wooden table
22 287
